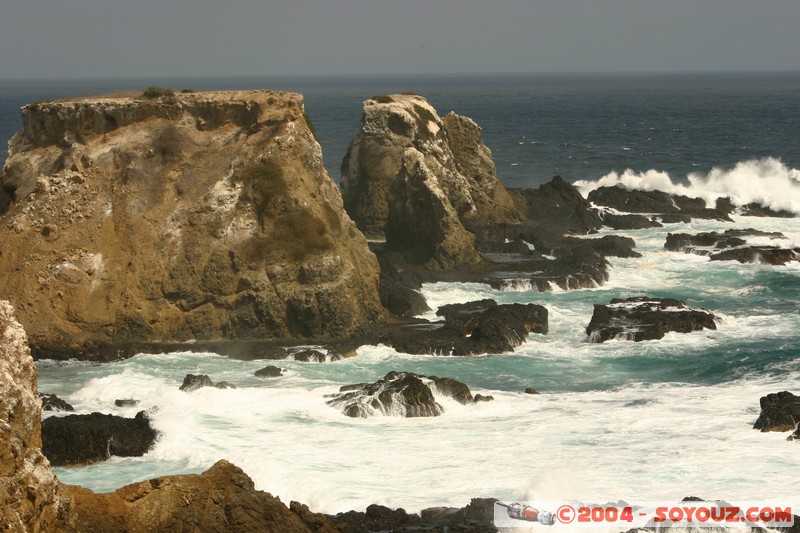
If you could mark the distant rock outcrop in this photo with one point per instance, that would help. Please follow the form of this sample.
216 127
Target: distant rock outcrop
644 318
732 245
194 216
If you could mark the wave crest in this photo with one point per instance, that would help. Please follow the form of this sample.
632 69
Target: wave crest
766 181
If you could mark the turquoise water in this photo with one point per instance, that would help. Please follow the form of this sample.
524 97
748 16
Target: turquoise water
652 420
648 421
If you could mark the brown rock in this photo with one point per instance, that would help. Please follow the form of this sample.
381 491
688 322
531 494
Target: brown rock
28 489
198 216
223 498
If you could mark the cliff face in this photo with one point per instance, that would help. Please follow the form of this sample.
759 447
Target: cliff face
448 157
193 216
28 488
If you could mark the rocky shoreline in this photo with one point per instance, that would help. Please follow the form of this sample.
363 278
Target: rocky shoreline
207 222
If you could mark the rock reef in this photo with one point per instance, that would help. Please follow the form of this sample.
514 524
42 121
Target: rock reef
223 498
644 318
190 217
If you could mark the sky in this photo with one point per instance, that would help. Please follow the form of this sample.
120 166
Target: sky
169 38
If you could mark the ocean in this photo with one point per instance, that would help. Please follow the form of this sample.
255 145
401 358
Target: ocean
655 420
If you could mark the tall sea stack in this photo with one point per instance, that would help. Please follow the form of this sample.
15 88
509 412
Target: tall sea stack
189 216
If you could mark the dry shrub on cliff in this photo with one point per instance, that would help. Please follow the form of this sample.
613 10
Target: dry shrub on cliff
152 93
301 233
383 99
264 182
168 143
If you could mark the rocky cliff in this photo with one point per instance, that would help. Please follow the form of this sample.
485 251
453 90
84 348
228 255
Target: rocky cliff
186 217
414 177
28 488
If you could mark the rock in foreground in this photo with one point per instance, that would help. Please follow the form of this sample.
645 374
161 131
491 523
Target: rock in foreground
28 488
643 318
86 439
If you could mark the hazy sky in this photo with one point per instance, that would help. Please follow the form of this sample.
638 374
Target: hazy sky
110 38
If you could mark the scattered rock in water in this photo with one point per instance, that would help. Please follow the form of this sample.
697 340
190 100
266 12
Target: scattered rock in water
397 394
193 382
126 403
269 371
86 439
780 411
401 394
472 328
51 402
531 390
731 245
453 389
315 356
482 398
644 318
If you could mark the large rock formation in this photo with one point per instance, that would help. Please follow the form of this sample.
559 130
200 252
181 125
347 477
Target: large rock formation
28 488
404 131
187 217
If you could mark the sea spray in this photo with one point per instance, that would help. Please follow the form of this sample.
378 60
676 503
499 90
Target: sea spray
766 181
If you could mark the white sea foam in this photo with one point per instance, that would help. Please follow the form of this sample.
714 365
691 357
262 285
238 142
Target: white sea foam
765 181
642 441
651 420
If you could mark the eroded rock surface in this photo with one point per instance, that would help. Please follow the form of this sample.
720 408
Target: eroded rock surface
644 318
28 489
193 217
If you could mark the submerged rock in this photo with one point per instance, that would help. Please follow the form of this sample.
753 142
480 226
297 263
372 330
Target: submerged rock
126 402
269 371
51 402
644 318
401 394
780 411
192 382
86 439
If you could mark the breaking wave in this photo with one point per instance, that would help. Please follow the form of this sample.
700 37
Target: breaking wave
766 181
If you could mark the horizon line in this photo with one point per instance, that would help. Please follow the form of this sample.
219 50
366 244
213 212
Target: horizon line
396 75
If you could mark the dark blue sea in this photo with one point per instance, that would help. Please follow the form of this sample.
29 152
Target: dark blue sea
537 126
650 421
